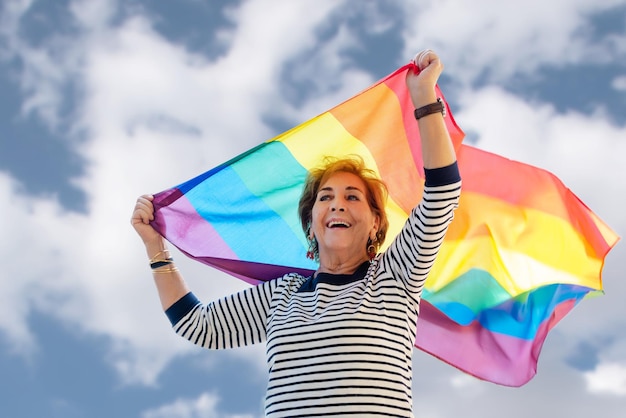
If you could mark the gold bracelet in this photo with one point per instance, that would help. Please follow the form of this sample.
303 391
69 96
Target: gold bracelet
153 259
167 270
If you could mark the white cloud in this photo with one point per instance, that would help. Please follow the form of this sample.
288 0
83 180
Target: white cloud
35 229
607 378
494 40
467 384
95 14
44 70
619 83
204 406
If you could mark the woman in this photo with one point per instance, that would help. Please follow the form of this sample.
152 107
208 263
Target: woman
339 342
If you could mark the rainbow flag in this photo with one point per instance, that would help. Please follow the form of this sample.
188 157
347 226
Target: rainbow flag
522 251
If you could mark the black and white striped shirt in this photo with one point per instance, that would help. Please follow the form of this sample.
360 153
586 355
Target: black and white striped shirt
337 345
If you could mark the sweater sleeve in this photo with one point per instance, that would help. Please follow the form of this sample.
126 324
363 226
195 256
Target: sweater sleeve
412 254
233 321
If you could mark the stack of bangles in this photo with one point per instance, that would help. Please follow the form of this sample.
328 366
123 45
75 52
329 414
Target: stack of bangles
157 263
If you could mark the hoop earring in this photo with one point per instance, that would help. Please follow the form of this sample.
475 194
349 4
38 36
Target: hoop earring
371 251
371 248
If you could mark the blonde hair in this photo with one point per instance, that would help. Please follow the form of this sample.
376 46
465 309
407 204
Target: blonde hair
376 191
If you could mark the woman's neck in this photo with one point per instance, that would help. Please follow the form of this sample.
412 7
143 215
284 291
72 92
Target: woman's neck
337 265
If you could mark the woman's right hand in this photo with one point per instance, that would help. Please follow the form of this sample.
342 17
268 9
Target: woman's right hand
142 215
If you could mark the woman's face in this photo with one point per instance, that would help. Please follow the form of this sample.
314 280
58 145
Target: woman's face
342 220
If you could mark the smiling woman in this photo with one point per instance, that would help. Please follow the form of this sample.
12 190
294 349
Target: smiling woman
340 341
361 189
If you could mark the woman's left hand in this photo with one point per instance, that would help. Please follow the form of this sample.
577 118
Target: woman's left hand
422 85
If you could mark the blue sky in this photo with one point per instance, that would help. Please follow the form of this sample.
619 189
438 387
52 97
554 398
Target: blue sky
103 100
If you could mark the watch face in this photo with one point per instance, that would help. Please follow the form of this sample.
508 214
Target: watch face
443 107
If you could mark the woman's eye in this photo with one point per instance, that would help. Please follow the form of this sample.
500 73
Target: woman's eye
352 197
324 197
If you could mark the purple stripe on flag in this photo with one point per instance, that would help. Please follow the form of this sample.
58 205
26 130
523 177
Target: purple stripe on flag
488 355
186 229
253 273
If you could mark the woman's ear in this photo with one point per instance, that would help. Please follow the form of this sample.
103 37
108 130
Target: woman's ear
374 231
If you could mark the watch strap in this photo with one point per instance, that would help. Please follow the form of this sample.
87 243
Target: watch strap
437 107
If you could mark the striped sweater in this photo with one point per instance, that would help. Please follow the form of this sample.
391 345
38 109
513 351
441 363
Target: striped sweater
337 345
